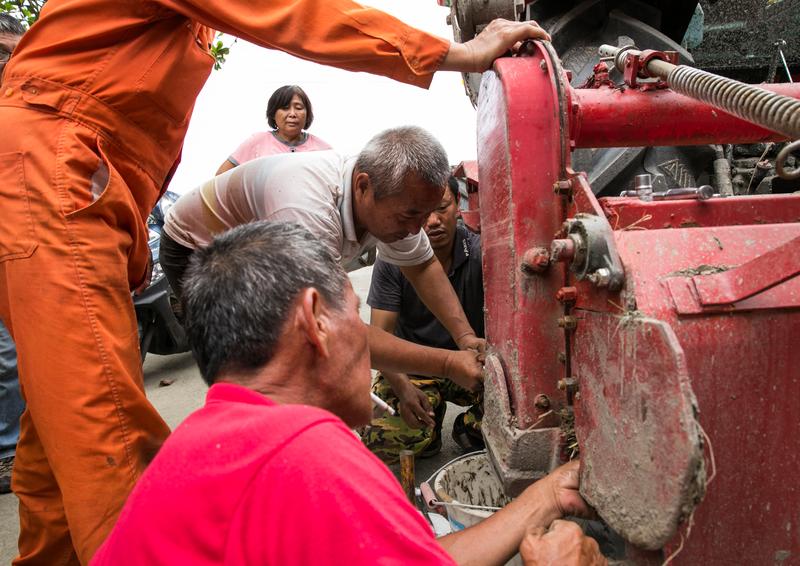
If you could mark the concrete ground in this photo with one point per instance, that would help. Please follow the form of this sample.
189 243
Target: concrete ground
186 392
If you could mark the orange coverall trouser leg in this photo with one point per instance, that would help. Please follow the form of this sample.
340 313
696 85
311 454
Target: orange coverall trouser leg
70 239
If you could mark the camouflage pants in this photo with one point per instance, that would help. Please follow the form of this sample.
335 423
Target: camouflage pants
388 435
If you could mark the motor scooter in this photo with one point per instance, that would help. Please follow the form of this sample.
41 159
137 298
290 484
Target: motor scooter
160 331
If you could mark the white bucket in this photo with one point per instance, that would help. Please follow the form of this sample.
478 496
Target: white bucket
468 487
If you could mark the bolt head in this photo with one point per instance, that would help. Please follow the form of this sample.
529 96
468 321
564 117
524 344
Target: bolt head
562 187
601 277
568 322
567 295
535 260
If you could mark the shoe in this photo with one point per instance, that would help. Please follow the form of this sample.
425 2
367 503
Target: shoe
5 474
466 438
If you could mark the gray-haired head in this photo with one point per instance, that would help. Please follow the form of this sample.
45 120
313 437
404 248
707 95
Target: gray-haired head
398 154
11 25
238 291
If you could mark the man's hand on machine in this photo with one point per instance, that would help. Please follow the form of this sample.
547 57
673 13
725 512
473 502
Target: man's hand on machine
563 544
496 39
560 489
472 342
465 368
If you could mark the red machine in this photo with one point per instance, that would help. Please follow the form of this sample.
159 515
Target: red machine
666 323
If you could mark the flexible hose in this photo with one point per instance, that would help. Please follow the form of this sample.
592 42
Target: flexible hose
767 109
773 111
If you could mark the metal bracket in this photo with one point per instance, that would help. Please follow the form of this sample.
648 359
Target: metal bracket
595 257
636 68
750 286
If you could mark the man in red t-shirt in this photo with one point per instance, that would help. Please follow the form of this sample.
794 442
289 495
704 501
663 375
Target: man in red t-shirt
268 471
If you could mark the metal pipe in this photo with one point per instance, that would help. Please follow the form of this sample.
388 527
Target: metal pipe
722 171
703 192
757 105
641 119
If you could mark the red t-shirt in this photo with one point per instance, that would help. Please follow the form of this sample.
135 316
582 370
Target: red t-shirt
246 481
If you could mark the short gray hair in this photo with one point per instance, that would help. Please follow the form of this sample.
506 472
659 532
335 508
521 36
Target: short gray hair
238 291
395 156
11 25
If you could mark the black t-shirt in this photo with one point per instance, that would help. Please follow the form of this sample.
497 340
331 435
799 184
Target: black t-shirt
391 291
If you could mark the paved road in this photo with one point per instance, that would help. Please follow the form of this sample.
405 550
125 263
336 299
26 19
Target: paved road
185 394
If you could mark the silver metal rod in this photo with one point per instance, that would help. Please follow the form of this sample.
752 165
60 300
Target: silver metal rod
785 66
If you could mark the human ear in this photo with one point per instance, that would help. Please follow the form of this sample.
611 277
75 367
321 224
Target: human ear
315 318
361 184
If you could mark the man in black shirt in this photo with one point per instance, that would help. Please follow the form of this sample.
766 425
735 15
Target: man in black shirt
421 401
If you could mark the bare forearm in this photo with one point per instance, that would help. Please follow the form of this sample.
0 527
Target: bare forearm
496 539
397 381
392 354
499 37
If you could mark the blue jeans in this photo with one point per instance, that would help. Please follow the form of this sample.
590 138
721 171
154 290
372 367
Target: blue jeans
11 403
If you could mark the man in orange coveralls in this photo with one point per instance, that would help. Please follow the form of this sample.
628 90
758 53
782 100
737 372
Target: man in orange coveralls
95 104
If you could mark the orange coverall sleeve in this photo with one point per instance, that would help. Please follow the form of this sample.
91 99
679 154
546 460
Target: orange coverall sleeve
339 33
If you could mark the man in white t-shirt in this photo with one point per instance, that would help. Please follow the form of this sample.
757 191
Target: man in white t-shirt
380 198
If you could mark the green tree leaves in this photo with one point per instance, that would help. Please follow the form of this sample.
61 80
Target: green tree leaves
25 10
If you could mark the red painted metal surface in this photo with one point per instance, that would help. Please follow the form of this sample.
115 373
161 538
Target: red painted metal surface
611 117
636 396
742 210
518 212
757 275
745 372
680 331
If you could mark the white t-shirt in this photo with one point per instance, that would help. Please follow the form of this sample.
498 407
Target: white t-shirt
313 189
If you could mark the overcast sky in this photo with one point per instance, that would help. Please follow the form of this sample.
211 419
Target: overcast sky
349 108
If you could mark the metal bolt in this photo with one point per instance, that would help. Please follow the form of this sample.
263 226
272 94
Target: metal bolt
568 322
567 295
566 383
562 249
601 277
535 260
563 187
542 402
543 65
562 357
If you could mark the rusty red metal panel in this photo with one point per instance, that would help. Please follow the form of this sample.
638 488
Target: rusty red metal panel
757 275
741 364
633 213
519 110
641 448
744 368
612 117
